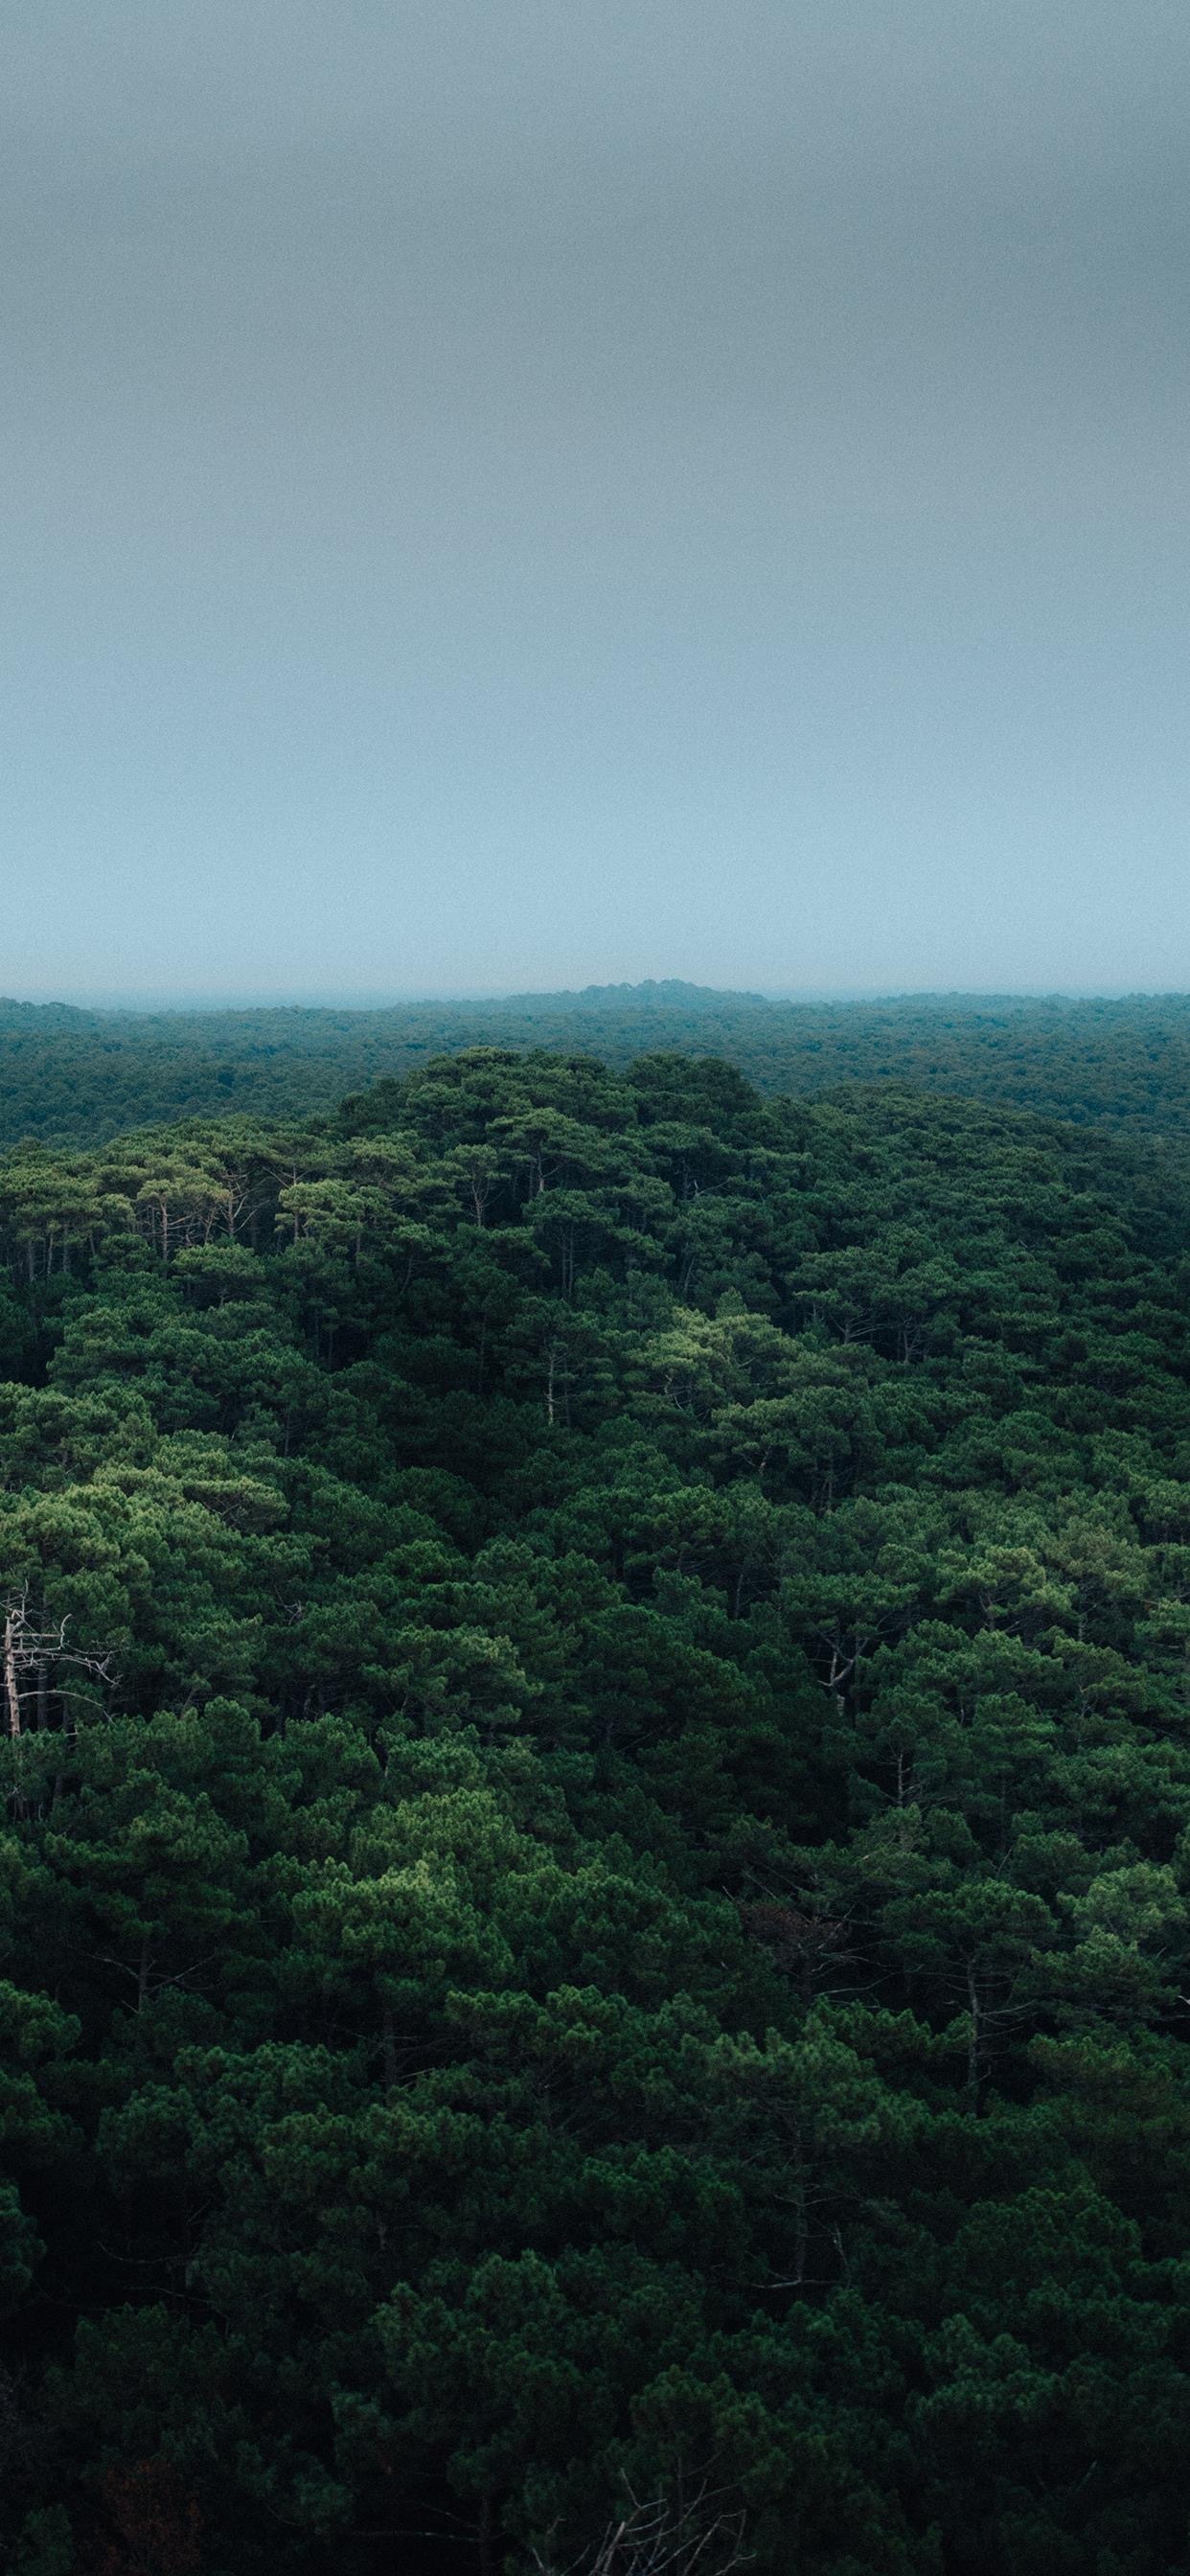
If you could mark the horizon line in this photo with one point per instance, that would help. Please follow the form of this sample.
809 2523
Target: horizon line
156 1003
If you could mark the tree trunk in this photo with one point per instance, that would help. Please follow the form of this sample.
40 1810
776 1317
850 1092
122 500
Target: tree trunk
11 1686
973 2041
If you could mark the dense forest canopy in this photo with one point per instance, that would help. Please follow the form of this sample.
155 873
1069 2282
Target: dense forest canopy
75 1075
595 1886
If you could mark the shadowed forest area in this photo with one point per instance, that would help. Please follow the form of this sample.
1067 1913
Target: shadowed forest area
595 1873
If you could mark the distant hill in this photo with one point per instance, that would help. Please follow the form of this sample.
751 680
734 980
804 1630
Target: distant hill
70 1073
669 995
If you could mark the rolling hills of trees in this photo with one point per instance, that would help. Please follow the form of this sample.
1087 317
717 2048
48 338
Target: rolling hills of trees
596 1876
82 1076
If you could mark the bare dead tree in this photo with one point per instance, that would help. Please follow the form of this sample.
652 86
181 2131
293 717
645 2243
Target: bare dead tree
700 2536
35 1661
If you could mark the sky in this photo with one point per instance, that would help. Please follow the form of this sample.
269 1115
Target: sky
519 495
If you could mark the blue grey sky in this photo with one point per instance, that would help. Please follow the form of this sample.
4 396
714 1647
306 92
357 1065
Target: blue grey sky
509 493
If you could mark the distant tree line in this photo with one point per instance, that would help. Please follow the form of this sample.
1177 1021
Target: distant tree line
71 1075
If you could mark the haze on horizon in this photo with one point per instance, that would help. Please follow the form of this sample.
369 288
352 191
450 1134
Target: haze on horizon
522 498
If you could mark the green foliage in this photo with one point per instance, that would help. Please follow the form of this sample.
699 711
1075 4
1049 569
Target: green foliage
594 1926
69 1075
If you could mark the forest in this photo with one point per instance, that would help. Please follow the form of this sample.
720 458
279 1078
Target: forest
81 1076
595 1883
